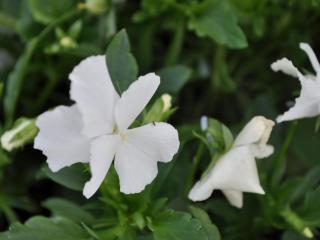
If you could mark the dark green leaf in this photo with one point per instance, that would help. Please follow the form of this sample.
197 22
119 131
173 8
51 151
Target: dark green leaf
122 66
42 228
73 177
173 79
47 11
214 19
310 212
15 80
64 208
211 229
172 225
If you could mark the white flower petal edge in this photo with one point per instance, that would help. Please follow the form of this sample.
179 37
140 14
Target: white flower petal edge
136 160
103 150
235 198
92 90
60 137
308 103
236 171
135 99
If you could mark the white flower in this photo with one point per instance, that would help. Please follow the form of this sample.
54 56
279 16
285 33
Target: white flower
95 129
236 171
308 103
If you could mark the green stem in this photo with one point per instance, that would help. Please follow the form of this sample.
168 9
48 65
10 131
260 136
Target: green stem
176 44
295 222
7 210
194 167
285 146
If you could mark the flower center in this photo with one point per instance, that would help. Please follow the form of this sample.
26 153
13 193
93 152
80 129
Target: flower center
123 136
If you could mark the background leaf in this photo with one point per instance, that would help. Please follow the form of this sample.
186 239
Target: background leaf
122 66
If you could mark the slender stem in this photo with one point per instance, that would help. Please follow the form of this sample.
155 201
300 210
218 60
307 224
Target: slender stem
176 44
279 161
7 210
194 167
285 146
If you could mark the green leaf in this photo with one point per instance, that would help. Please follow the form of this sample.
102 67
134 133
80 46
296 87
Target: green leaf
171 225
73 177
47 11
63 208
15 80
211 229
215 19
173 79
216 136
310 212
122 66
42 228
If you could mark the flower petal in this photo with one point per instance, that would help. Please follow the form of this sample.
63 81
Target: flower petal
303 107
92 90
60 137
159 140
286 66
102 153
236 171
257 130
136 159
134 100
235 198
312 57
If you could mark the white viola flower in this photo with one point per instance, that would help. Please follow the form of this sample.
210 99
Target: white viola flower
308 103
96 129
236 172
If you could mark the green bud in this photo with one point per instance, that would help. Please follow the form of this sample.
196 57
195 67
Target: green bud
96 6
23 131
161 110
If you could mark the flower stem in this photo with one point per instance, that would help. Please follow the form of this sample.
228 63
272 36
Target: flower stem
284 148
195 163
176 44
7 210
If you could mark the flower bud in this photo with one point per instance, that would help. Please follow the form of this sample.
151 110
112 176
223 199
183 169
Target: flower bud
96 6
23 132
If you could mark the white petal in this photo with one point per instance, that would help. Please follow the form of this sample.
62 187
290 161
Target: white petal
60 137
312 57
202 190
257 130
159 141
286 66
236 170
235 198
261 151
102 153
134 100
136 159
134 167
303 108
92 89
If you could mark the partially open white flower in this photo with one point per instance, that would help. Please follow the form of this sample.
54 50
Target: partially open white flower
308 103
236 171
95 129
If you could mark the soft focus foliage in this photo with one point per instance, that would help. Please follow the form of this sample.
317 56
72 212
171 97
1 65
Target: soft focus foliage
213 58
